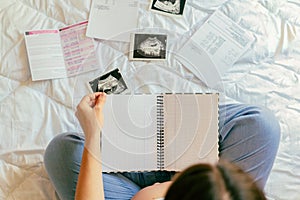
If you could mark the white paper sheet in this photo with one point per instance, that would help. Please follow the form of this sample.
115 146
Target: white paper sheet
45 54
113 19
214 48
129 133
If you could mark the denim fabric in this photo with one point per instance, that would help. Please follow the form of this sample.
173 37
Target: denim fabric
249 136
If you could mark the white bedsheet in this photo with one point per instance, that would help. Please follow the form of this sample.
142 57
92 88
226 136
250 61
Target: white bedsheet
32 113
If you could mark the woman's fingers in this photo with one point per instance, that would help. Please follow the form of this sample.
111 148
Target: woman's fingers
100 100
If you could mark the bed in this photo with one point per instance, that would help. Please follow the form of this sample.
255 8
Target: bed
33 112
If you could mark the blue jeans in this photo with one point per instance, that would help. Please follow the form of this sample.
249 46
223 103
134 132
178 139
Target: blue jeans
248 136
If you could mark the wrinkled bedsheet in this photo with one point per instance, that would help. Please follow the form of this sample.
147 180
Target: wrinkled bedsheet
32 113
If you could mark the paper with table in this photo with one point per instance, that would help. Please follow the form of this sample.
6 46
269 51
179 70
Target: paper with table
60 53
214 48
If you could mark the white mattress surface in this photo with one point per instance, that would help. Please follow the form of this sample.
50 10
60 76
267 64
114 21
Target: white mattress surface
32 113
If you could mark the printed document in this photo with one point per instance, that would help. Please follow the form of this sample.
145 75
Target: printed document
60 53
214 48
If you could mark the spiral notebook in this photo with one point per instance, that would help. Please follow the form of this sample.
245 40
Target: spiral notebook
159 131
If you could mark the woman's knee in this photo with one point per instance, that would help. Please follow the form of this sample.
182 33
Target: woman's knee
267 125
251 118
255 125
59 145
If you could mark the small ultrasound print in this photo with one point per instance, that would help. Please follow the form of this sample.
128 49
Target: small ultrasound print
110 83
148 47
168 7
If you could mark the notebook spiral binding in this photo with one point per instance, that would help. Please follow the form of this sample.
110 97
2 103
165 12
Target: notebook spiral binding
160 132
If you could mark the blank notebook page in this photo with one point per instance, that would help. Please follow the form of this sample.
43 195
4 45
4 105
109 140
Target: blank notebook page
129 133
191 129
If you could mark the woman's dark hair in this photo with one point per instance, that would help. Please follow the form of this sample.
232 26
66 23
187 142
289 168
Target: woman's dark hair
224 181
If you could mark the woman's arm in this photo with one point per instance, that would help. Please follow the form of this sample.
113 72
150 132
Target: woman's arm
90 184
90 116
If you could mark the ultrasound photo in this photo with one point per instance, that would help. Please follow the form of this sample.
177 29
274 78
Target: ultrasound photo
148 47
110 83
174 7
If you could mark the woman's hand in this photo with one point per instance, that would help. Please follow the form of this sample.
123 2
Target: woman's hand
89 113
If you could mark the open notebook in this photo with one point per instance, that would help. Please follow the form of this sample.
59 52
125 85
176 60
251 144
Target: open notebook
159 132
